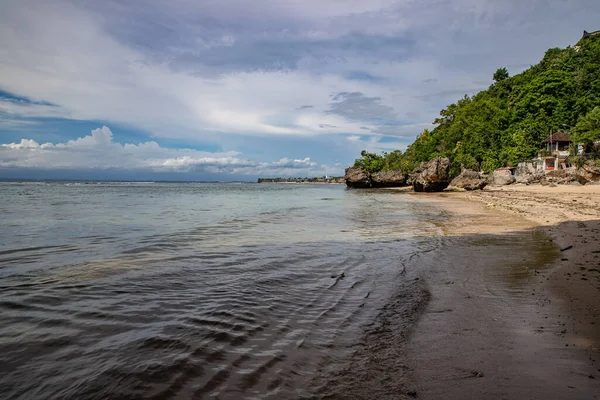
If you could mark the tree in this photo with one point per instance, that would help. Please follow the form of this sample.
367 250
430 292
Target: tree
393 160
587 129
370 162
500 74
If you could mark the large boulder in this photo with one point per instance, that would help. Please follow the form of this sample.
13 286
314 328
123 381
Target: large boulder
469 180
389 178
357 178
432 176
528 172
502 177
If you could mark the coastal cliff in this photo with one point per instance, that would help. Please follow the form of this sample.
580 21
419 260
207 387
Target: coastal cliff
505 125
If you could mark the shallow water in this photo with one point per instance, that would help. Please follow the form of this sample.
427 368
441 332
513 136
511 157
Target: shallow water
194 290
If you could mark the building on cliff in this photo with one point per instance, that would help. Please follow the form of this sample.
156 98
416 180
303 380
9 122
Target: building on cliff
587 34
556 155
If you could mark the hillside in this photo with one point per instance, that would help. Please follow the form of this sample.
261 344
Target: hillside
505 124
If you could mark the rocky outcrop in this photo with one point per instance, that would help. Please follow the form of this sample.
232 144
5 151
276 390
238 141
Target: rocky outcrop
469 180
502 177
530 177
432 176
359 178
565 176
389 178
590 172
528 173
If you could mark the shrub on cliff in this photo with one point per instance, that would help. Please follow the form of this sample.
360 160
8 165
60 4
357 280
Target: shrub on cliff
372 163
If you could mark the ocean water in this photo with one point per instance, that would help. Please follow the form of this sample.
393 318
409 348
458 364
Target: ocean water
195 290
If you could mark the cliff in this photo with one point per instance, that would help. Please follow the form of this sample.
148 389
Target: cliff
506 123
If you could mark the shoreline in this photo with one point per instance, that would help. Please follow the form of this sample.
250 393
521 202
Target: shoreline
303 183
538 343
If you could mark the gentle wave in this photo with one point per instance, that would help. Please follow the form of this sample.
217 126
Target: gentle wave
252 304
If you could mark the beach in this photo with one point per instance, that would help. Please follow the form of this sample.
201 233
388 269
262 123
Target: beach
172 290
503 323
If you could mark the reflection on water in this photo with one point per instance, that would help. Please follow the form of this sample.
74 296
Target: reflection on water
183 290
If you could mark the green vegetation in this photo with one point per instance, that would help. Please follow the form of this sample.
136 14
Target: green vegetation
500 75
371 162
506 123
588 128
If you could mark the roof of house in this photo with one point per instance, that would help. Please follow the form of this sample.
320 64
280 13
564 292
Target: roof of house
557 137
587 34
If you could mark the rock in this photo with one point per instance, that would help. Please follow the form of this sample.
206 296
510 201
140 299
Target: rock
432 176
529 177
357 178
589 171
502 177
390 178
411 177
566 176
528 173
469 180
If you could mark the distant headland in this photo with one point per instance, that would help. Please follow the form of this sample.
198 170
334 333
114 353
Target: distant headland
320 179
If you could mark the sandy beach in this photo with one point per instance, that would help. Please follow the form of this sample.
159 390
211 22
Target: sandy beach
508 323
570 215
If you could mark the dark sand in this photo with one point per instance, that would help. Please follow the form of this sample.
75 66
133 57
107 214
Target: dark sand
498 311
506 321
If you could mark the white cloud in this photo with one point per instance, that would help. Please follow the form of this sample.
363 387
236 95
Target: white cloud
91 76
98 151
206 69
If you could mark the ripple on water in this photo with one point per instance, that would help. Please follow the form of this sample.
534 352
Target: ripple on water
247 306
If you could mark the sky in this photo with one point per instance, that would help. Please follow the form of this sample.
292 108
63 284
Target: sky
235 90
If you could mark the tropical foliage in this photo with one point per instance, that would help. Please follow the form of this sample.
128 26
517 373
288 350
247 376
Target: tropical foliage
588 128
506 123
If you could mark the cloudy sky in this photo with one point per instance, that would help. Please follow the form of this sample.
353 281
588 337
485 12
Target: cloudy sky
235 89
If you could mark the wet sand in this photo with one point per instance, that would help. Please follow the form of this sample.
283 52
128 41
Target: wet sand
506 320
570 215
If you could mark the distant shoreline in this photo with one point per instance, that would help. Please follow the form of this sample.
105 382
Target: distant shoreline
305 183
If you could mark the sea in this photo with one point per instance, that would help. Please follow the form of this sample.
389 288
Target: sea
150 290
